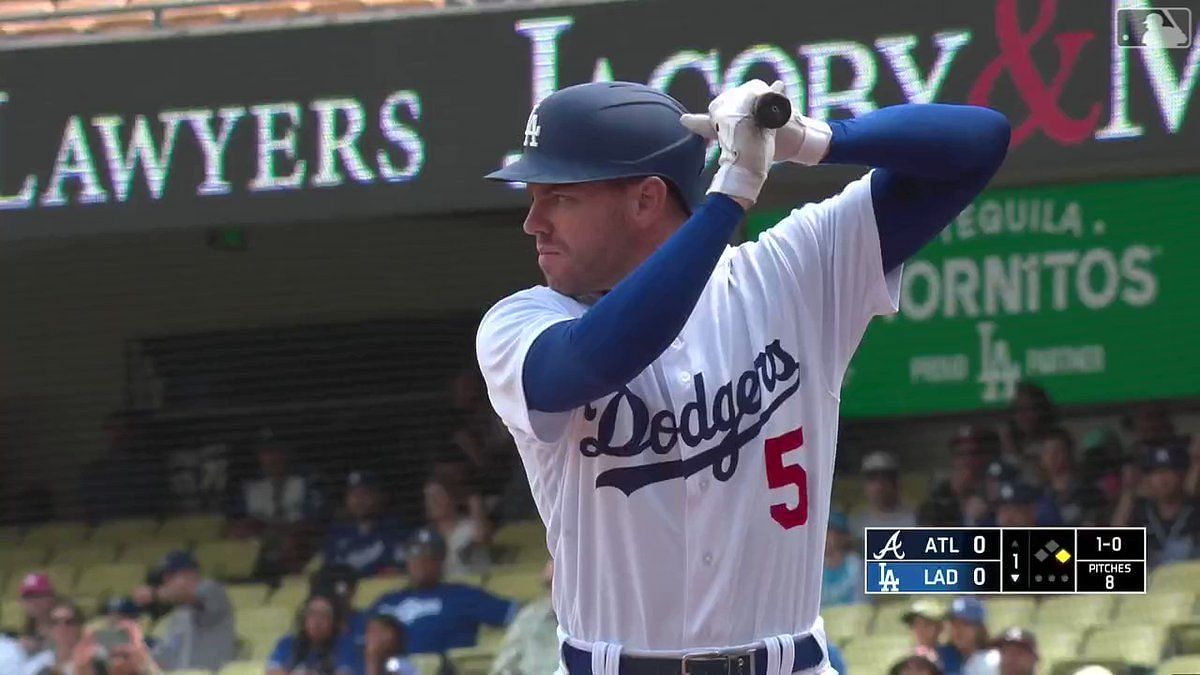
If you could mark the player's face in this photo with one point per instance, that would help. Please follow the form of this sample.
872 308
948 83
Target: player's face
582 234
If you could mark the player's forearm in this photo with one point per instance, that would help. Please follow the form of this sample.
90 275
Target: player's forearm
931 160
578 361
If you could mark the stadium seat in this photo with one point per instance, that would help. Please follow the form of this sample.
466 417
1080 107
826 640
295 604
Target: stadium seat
53 535
193 529
242 668
1162 608
875 653
1058 643
232 559
23 558
370 590
12 615
1141 645
518 536
465 579
261 628
1081 611
518 585
1179 664
246 596
843 622
289 595
1181 576
1004 612
426 664
148 553
63 577
105 580
491 636
1185 637
80 556
471 660
889 617
125 532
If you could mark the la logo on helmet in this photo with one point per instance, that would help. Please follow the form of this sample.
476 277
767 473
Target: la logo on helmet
532 130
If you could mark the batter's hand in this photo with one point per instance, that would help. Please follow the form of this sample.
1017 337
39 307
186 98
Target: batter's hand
746 148
803 140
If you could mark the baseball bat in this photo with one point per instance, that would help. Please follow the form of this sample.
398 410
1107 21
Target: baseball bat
772 110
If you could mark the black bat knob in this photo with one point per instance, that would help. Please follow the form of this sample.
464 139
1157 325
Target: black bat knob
772 110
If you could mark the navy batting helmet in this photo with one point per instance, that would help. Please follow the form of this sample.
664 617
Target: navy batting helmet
606 130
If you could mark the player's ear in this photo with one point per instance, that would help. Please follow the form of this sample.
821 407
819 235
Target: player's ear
651 200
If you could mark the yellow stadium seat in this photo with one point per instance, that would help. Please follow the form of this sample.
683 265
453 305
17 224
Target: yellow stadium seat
12 615
80 556
889 618
1080 611
471 660
62 576
1181 576
289 596
159 629
522 586
426 664
25 557
1058 643
54 535
126 531
1186 637
231 559
1179 664
242 668
874 653
491 636
194 529
261 628
103 581
148 553
1002 612
1142 645
245 596
370 590
1158 609
521 534
843 622
314 563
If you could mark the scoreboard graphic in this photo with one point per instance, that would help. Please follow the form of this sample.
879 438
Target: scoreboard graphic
977 560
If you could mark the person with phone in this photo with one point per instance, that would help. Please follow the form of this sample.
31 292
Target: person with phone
118 649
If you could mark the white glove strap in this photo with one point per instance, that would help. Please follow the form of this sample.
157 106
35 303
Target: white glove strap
737 181
816 137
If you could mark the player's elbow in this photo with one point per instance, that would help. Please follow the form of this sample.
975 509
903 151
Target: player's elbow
992 133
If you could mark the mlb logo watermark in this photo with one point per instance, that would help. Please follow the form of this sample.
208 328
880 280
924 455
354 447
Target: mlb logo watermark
1160 27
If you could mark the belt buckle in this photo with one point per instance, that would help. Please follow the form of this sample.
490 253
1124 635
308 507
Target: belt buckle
744 662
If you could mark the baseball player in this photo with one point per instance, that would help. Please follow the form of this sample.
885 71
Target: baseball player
675 399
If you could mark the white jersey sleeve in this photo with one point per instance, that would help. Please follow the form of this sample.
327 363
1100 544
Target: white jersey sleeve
830 252
505 335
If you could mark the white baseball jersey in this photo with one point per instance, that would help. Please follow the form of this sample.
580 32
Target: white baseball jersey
688 509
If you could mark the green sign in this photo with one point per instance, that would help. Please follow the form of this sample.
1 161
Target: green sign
1092 291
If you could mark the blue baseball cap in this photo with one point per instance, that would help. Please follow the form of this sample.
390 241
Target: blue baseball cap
1173 456
124 606
967 609
178 561
426 541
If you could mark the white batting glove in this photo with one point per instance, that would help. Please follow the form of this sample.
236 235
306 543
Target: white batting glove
746 148
803 140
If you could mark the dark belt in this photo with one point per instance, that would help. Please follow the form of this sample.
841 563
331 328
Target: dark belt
751 662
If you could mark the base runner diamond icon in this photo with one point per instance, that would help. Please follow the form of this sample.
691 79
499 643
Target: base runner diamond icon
1063 556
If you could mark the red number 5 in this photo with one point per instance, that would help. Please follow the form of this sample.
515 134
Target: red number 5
782 475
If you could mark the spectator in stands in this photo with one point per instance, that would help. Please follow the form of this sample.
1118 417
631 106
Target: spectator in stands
842 581
385 650
466 532
1103 460
201 630
1171 516
66 630
119 610
913 665
1018 652
480 437
1151 424
282 508
437 615
1031 415
320 644
968 640
37 600
131 658
1017 506
1068 499
971 449
367 541
12 655
341 582
129 481
531 642
924 621
882 488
